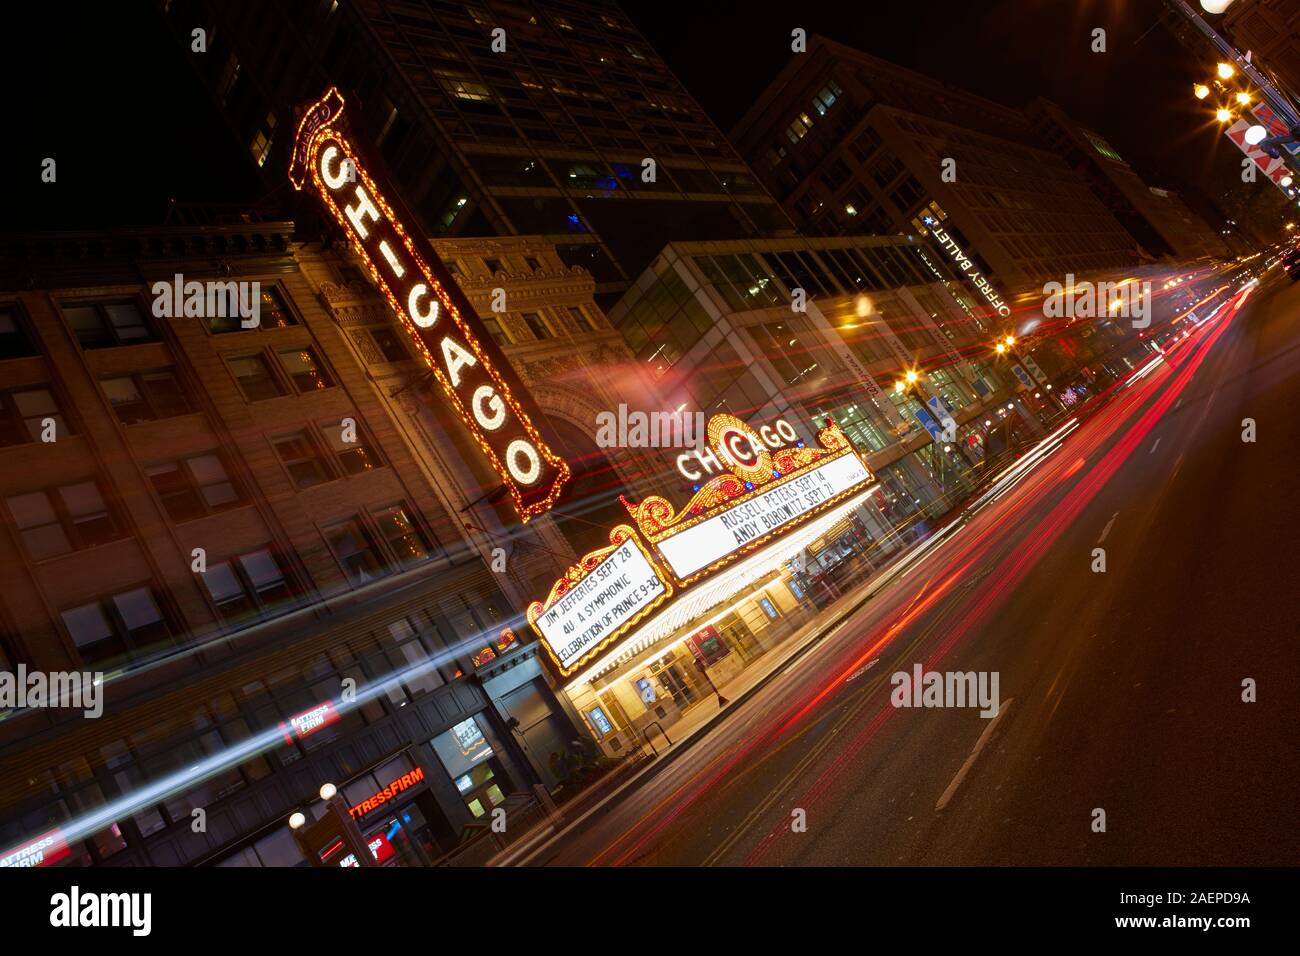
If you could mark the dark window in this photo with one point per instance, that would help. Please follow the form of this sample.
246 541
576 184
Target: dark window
123 625
390 346
302 459
355 550
581 319
537 326
255 378
353 456
251 585
193 487
14 340
146 396
491 323
533 264
23 413
304 369
63 519
494 266
105 324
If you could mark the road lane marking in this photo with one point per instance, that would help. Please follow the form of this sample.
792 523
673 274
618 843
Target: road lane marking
1154 447
1106 530
862 670
970 761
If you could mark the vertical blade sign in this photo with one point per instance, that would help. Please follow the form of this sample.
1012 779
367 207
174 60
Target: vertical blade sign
479 383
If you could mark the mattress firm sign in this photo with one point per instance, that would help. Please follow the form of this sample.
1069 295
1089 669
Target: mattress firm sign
610 597
713 539
474 374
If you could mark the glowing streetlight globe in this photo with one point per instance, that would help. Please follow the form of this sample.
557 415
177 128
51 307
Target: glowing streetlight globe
297 820
911 376
1201 91
1225 71
1215 6
1222 115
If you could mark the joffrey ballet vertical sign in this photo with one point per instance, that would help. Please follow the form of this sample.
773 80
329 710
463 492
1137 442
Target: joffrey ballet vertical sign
448 333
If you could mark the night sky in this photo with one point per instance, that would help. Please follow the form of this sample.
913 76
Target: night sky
104 90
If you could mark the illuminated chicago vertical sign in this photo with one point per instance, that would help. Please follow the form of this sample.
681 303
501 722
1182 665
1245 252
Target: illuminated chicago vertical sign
448 333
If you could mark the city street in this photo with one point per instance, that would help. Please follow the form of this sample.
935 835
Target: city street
1120 690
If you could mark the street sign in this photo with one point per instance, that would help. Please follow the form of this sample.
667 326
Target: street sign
1034 370
929 424
1021 374
943 415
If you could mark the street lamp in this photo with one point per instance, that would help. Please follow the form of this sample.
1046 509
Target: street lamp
1222 115
296 820
1225 71
327 791
1201 91
1000 348
1243 98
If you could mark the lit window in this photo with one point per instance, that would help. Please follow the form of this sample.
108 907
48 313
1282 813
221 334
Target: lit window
463 89
353 456
405 539
304 369
261 145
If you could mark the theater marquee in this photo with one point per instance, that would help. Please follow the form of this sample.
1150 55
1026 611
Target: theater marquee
597 601
765 492
448 333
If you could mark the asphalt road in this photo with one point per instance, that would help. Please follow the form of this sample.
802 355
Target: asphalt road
1120 691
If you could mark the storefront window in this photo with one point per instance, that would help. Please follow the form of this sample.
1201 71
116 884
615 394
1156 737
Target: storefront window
471 763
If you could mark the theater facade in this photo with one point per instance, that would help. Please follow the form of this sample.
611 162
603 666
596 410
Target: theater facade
686 602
